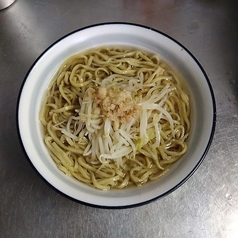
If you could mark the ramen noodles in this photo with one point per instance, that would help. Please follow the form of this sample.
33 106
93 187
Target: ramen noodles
115 117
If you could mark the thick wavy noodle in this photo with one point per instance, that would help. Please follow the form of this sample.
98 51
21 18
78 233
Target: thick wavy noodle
115 117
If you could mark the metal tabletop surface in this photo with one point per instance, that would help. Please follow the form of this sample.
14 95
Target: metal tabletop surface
205 206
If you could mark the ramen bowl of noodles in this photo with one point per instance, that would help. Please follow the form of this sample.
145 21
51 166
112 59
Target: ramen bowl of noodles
116 115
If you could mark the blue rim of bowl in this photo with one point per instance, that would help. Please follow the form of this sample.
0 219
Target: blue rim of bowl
188 175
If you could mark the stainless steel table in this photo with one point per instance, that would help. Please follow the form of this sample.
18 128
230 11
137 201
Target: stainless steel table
205 206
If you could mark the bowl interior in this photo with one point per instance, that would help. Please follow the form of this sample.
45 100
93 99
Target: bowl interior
202 104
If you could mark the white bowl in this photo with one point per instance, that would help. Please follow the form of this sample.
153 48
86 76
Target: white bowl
39 76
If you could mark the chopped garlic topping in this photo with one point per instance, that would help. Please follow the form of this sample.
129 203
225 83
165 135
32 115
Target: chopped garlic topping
117 104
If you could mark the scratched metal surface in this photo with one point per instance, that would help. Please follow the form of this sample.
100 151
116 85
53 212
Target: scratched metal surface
205 206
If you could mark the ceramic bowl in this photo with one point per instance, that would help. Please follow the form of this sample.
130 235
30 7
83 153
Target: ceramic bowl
119 34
